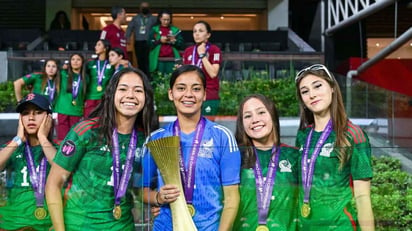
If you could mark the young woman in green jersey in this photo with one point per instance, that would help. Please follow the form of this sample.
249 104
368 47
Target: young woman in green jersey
116 57
269 174
98 71
70 101
97 159
45 83
335 158
27 159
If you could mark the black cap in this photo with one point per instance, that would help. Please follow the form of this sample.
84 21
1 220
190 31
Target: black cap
39 100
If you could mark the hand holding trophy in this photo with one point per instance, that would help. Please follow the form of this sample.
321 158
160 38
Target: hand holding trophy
165 152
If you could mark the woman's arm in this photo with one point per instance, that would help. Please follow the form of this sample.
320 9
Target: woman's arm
230 207
7 151
211 69
18 85
54 184
362 189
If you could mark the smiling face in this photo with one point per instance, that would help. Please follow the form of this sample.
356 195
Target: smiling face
130 97
188 94
316 94
200 33
32 117
258 123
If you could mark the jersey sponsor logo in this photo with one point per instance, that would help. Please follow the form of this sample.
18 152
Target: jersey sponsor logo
326 150
206 149
68 148
285 166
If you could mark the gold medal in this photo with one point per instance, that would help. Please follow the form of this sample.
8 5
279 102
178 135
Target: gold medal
74 102
99 88
191 209
262 228
40 213
117 212
305 210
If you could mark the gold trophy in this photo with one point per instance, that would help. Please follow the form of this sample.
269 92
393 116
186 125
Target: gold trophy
166 154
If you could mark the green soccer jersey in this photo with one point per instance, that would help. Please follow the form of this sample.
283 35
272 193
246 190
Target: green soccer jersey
35 79
331 192
89 197
93 76
282 210
65 103
21 199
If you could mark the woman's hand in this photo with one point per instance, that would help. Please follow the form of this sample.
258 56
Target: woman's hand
45 126
167 194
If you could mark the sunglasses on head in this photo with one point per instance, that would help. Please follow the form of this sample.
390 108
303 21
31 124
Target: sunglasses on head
315 67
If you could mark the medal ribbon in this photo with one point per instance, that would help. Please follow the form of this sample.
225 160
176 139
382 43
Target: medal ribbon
51 86
188 174
75 87
264 188
100 72
309 168
195 58
120 182
38 181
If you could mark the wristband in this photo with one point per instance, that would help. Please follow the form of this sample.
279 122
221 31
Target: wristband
17 140
201 56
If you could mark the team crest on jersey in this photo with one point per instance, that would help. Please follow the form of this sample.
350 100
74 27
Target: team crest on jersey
68 148
206 149
285 166
326 150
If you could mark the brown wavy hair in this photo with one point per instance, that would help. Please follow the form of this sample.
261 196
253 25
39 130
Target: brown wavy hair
244 141
337 112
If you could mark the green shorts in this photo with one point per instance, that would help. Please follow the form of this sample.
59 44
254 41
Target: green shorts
210 107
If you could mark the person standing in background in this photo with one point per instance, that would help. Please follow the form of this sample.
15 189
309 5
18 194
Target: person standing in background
165 42
44 83
141 25
60 21
98 72
208 57
113 32
70 101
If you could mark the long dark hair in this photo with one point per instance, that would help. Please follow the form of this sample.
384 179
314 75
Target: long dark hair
70 74
106 111
56 78
244 141
107 46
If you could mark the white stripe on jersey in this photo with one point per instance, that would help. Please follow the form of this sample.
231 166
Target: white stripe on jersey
232 142
216 57
103 34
